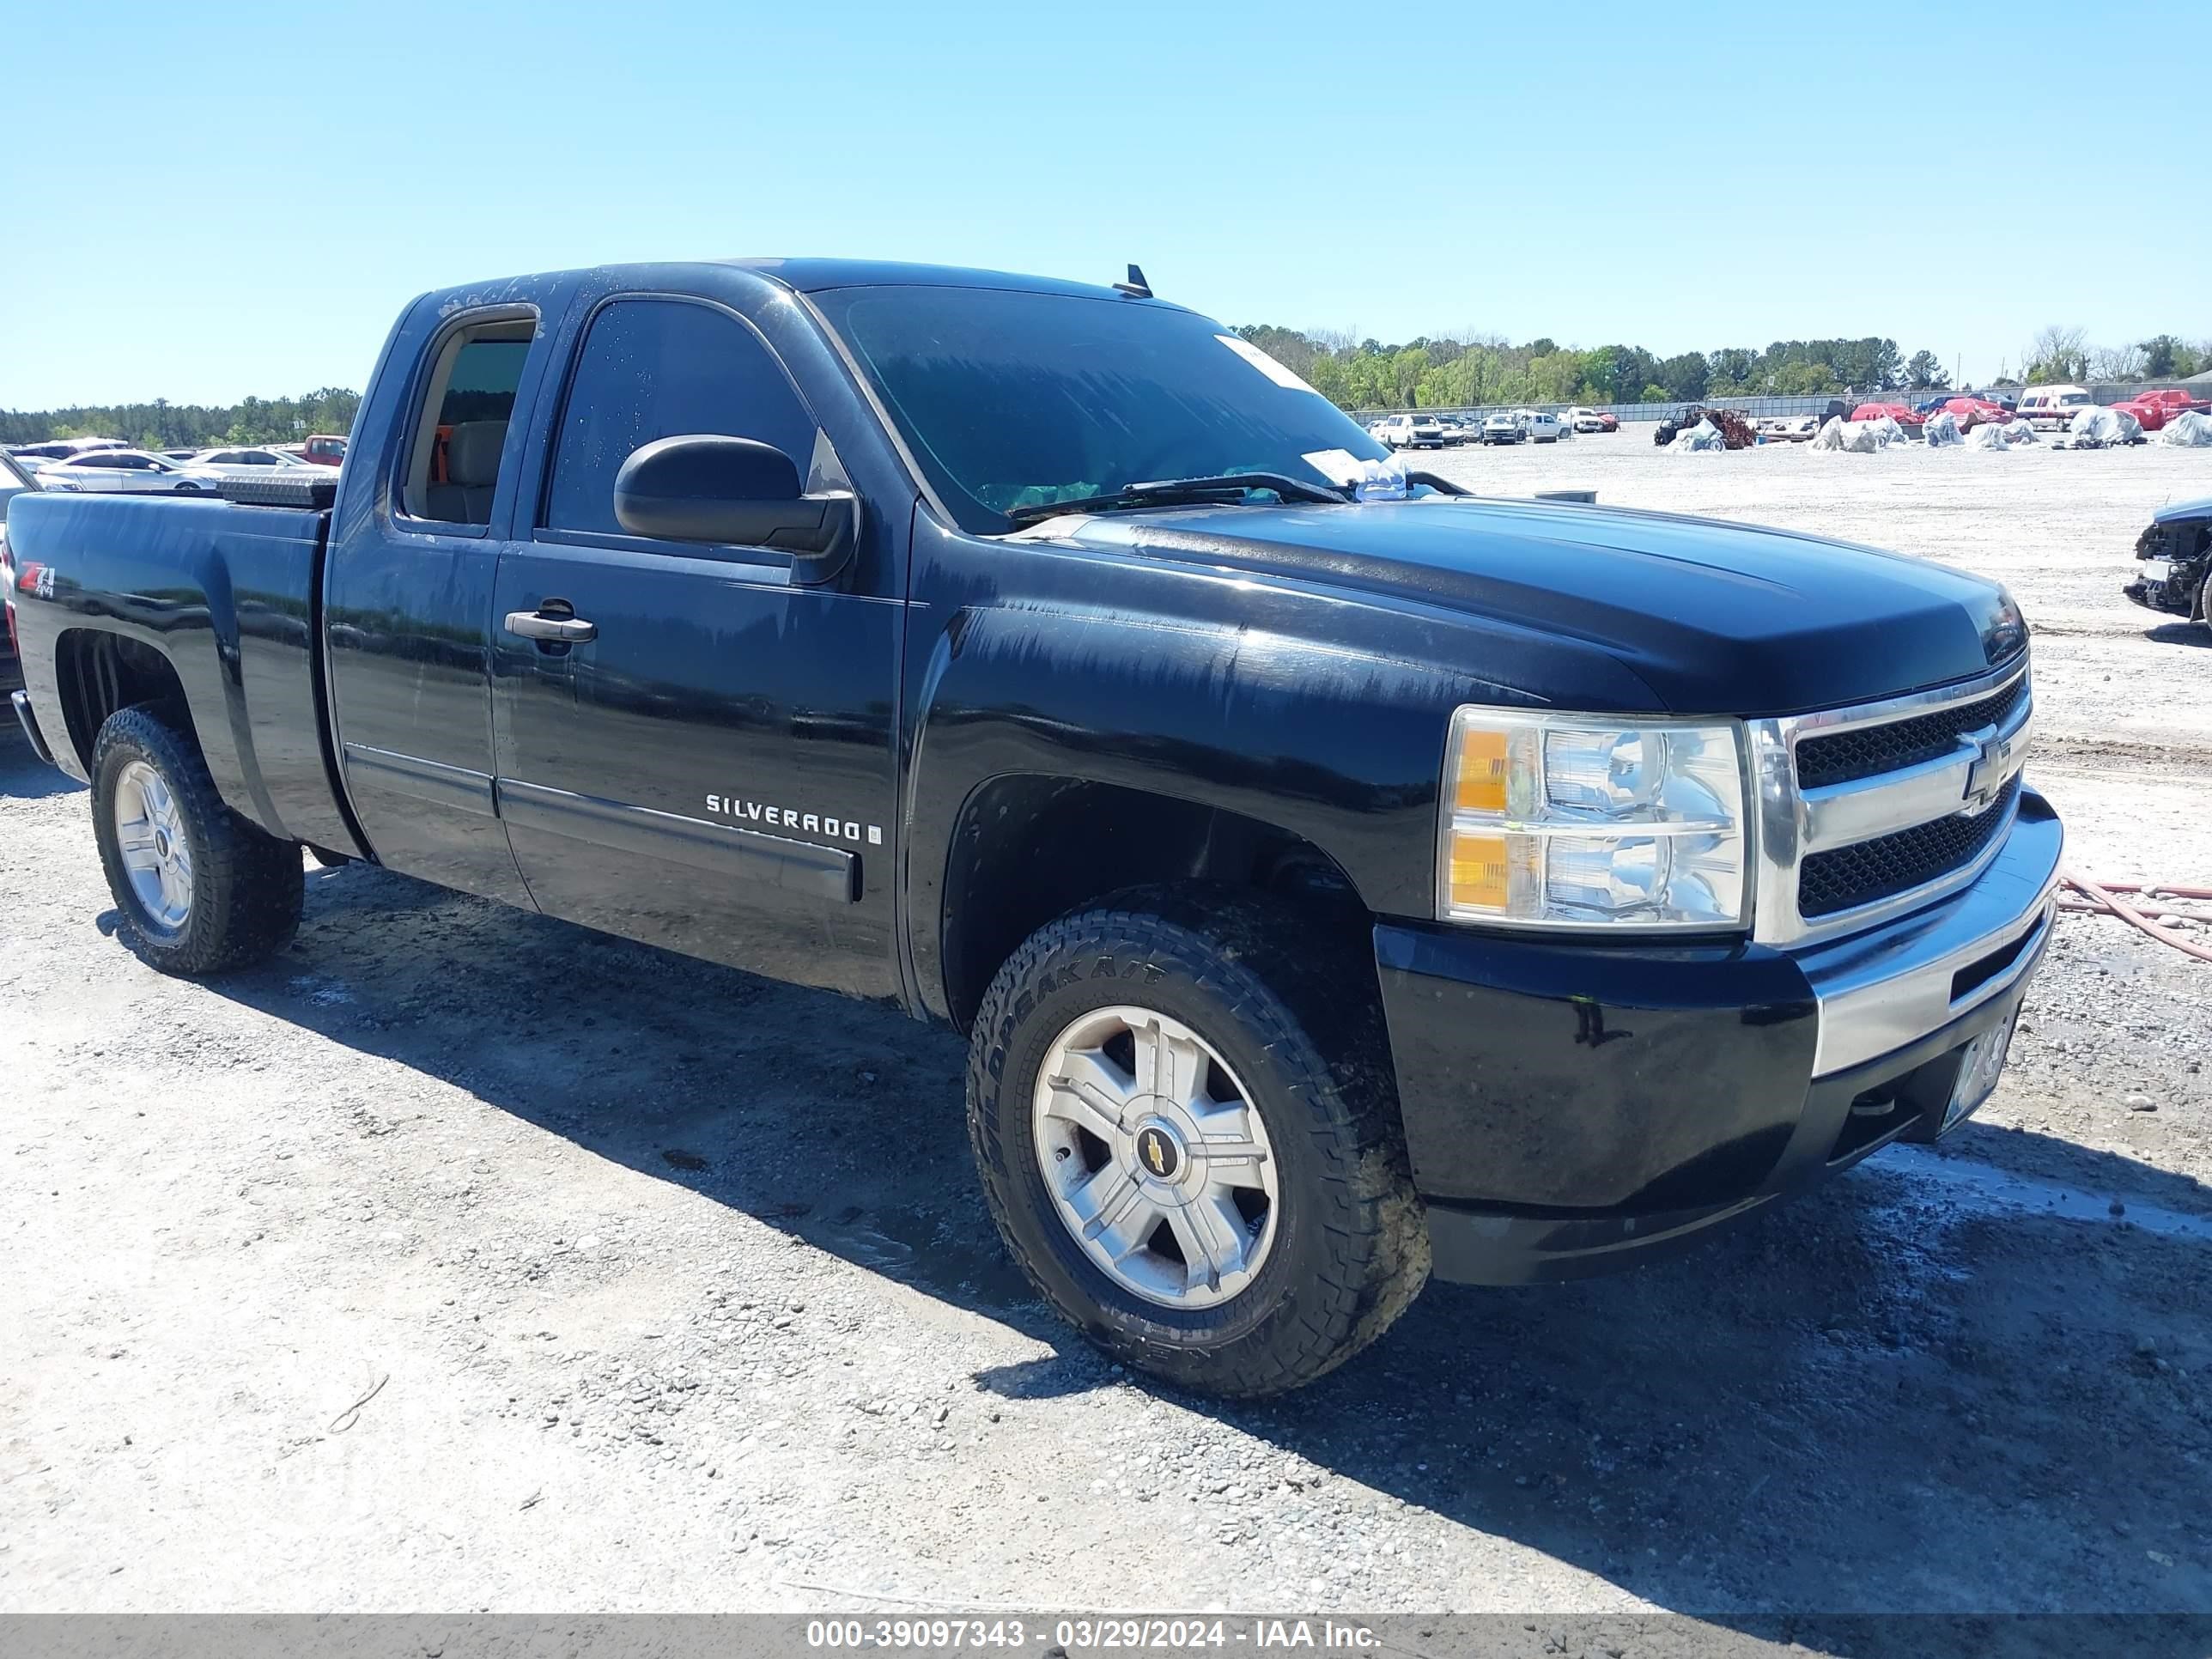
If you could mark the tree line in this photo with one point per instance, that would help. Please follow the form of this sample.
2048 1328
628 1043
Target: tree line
161 424
1355 373
1453 373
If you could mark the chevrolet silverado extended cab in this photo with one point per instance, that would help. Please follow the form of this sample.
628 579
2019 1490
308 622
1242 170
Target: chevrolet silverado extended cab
1338 878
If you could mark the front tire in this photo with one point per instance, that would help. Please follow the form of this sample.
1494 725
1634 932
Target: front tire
201 890
1188 1138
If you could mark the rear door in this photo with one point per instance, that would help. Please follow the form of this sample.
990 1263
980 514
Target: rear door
707 768
407 599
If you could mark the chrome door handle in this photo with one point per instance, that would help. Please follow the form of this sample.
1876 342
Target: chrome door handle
564 630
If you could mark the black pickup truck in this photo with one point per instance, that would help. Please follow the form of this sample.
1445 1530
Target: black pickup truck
1337 875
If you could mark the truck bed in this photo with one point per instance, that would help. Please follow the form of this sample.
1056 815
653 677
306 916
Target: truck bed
230 594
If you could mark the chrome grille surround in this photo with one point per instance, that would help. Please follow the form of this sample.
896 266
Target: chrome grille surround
1977 775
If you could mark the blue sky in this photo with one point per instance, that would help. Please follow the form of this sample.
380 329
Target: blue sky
203 208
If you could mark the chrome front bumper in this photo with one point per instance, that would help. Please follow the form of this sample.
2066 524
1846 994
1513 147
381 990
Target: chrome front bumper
1884 988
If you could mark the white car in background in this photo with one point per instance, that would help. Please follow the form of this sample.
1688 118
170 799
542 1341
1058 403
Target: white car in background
62 449
1541 427
2053 408
124 471
1410 431
1504 429
1579 419
211 466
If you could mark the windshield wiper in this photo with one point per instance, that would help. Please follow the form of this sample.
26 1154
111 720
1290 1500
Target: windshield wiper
1159 492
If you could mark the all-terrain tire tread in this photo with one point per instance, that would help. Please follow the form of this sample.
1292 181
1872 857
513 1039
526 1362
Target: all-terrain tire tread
1306 1011
247 886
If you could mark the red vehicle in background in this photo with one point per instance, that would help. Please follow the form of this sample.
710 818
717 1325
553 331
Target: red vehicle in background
1906 417
2155 408
1977 412
324 449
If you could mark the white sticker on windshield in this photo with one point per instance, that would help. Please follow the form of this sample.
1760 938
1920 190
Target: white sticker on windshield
1338 467
1266 365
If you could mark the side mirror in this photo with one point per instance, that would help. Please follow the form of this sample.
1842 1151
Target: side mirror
735 492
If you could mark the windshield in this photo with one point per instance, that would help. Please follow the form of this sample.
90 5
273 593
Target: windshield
1011 399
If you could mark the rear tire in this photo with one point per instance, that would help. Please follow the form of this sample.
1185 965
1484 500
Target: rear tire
1335 1250
201 890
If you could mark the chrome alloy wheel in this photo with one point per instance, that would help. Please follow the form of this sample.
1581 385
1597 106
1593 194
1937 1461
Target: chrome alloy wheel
150 836
1155 1157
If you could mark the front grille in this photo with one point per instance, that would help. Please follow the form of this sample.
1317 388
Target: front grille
1866 872
1870 750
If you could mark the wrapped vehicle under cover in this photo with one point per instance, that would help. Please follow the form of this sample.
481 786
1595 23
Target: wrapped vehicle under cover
1704 436
2189 430
1942 429
2018 432
2096 428
1859 437
1991 436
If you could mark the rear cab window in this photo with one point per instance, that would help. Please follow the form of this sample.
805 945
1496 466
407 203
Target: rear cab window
455 459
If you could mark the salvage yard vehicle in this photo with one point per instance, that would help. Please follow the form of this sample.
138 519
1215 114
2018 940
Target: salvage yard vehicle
2175 572
1410 431
2053 408
1588 420
1338 878
1541 427
1504 429
123 471
1906 417
1972 411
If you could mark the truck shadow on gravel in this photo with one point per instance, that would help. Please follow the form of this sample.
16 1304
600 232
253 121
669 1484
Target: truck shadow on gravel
1877 1398
23 775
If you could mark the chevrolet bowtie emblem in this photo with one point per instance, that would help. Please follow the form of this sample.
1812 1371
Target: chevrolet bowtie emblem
1991 770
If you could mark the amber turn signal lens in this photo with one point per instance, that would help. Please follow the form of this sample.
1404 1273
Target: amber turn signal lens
1479 877
1480 786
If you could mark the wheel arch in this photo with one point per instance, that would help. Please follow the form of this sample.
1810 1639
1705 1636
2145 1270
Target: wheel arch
1029 847
98 672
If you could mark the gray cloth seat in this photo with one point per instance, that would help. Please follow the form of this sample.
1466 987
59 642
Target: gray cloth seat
472 452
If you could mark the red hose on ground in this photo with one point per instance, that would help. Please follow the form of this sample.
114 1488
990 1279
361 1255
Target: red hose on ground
2100 898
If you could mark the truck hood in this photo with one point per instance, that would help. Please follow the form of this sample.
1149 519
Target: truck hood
2180 510
1714 617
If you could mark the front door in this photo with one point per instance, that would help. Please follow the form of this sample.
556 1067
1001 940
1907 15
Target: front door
692 751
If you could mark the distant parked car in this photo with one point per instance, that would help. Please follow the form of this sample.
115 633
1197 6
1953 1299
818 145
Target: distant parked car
2053 408
1461 429
1502 429
61 449
1411 432
1541 427
323 449
1788 429
1972 411
1588 420
126 471
2176 569
209 467
2149 415
1903 414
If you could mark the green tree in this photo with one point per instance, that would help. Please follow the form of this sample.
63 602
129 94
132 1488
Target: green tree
1925 373
2160 354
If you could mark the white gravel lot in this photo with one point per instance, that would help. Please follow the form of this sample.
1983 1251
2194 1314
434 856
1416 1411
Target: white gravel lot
464 1259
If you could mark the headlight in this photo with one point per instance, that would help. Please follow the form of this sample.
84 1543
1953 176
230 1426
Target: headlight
1580 820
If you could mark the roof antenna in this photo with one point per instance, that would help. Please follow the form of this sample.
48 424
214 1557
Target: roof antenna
1136 288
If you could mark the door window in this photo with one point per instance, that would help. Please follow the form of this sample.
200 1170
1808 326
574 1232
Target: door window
659 368
460 433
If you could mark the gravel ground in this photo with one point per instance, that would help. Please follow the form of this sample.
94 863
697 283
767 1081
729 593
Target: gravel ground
463 1260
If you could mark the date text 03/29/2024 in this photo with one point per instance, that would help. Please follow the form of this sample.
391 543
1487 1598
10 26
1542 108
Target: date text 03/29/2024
1080 1636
